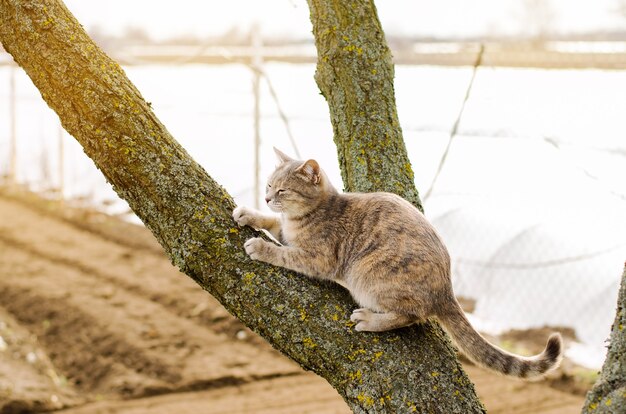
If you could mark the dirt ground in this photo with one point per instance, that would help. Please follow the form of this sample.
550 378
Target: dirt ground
94 319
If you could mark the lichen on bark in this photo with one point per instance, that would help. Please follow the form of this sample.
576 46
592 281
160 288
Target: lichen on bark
608 395
355 74
189 213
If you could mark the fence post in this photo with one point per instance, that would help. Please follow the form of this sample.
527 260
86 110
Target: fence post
12 173
257 61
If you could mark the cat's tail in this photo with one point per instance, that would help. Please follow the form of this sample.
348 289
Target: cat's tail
476 348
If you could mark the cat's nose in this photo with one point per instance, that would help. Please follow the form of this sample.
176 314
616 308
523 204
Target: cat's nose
267 199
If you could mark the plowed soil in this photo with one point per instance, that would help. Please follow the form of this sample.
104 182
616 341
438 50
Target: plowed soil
95 319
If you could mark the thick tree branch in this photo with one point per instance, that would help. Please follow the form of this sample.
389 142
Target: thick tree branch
609 393
189 214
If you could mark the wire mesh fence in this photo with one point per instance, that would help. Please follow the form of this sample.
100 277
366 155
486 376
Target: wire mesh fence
529 199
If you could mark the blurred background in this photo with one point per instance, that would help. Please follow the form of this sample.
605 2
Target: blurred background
528 190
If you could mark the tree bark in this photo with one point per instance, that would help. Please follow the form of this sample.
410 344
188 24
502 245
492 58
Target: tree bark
409 370
608 395
355 74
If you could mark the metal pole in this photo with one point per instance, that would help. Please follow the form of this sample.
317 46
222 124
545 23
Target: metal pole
257 61
12 173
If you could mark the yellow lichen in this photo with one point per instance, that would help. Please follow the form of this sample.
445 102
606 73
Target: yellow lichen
199 215
248 278
369 401
303 314
356 376
356 353
308 343
408 168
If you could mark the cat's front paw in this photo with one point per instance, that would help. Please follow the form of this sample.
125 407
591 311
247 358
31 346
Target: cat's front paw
363 318
259 249
243 216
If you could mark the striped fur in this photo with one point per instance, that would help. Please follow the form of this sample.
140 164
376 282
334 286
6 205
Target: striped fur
380 248
481 352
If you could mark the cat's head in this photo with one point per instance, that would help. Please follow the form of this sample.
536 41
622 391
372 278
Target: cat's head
296 187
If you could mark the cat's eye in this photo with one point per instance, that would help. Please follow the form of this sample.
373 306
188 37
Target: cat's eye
281 191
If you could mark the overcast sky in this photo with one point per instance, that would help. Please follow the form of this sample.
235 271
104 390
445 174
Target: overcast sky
440 18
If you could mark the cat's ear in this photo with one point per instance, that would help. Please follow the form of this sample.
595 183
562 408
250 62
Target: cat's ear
311 171
282 157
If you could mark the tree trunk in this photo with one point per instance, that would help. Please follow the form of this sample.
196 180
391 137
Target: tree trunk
190 214
608 395
355 74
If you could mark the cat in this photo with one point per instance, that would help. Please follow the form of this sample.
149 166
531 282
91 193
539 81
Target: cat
379 247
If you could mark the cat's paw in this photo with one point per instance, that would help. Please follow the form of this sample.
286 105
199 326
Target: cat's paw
258 249
243 216
363 318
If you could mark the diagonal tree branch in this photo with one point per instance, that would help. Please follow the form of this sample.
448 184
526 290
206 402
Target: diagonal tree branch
189 213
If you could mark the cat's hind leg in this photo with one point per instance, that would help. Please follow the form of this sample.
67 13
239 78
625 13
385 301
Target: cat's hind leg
369 321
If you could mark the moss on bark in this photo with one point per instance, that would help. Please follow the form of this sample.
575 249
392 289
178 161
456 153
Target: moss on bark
409 370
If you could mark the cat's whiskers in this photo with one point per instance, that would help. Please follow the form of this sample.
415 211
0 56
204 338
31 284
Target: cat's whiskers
275 206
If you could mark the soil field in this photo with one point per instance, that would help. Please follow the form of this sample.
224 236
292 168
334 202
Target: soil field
95 319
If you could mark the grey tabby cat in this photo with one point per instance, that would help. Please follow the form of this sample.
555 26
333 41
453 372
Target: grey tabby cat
380 248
